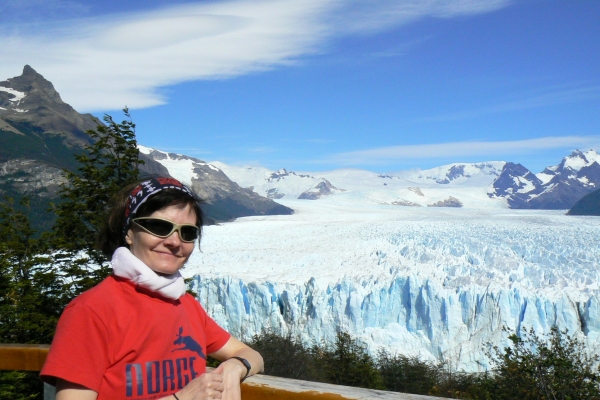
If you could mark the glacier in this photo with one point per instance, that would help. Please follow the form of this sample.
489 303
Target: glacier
435 283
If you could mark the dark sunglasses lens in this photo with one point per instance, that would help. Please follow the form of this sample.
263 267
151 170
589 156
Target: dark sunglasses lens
157 226
189 233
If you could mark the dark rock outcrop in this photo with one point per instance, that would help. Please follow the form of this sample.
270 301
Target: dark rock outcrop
449 202
587 205
323 188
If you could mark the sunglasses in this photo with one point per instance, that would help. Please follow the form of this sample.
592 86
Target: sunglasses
164 228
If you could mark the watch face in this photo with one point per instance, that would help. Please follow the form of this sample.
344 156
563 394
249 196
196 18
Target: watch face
246 363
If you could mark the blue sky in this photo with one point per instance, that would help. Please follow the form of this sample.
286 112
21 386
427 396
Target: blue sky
314 85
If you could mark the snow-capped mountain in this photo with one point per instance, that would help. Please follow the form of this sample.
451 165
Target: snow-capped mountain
29 104
477 185
477 174
557 187
225 199
452 185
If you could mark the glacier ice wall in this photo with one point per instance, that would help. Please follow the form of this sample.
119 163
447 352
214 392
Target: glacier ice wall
406 315
439 284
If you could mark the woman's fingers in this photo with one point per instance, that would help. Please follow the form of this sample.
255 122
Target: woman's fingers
213 383
207 386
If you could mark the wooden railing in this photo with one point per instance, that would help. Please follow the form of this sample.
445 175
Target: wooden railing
27 357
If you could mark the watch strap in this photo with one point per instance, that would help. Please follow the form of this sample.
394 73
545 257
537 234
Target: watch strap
246 364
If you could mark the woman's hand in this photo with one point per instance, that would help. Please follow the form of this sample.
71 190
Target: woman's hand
222 383
233 372
207 386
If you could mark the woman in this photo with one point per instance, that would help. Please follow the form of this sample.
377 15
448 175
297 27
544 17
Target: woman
138 335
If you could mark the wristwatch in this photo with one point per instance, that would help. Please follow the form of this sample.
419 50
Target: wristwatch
246 364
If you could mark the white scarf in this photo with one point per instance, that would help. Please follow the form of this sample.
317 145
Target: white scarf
128 266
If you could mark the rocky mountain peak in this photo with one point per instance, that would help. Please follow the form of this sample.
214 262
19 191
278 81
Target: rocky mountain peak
31 82
29 103
574 162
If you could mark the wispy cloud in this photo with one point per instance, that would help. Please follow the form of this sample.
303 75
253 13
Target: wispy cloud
261 150
111 61
386 155
554 96
368 16
306 140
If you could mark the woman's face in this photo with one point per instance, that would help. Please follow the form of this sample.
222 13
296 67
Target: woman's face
163 256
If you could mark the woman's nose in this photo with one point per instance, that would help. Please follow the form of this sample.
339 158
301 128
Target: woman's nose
173 239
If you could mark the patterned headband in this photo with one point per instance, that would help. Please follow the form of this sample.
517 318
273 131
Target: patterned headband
146 189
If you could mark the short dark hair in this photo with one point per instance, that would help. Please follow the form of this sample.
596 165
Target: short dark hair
111 236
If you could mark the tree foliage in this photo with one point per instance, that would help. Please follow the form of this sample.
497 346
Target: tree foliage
401 373
31 299
286 356
551 367
347 362
39 276
106 166
554 366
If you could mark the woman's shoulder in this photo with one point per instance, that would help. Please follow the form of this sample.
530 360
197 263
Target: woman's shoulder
190 301
106 292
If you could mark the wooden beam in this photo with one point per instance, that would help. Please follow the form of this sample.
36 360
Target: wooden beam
264 387
23 357
31 357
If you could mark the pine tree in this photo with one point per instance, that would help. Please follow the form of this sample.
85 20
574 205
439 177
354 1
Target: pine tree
406 374
555 367
107 165
31 298
39 276
347 362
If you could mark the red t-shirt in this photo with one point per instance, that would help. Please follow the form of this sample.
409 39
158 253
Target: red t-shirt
127 343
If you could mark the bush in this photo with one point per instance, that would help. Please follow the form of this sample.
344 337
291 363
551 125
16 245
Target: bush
346 362
551 368
286 356
557 367
407 374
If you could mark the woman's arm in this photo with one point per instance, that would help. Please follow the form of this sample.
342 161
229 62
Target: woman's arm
206 386
66 390
235 348
232 369
224 380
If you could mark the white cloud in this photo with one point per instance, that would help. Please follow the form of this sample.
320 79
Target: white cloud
261 150
116 60
386 155
554 96
366 16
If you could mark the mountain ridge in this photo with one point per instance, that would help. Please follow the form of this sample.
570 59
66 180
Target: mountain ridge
506 184
40 135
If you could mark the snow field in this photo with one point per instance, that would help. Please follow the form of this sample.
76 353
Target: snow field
438 283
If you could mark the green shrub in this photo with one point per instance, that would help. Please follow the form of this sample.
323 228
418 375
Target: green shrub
346 362
285 356
407 374
555 367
